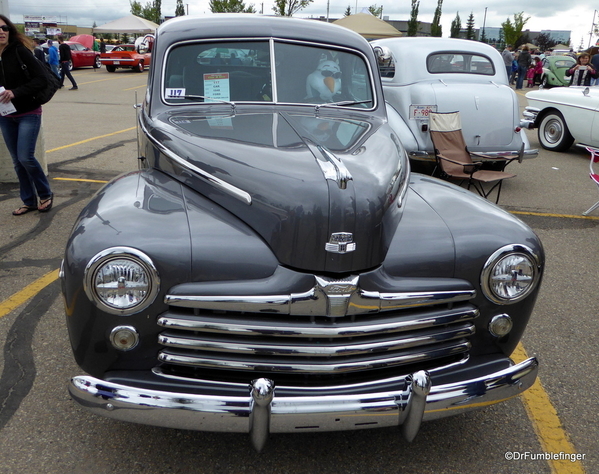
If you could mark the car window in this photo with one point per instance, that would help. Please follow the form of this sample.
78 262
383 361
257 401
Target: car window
126 47
565 63
243 70
459 62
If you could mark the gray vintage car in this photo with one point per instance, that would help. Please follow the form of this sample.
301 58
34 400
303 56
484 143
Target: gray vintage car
273 266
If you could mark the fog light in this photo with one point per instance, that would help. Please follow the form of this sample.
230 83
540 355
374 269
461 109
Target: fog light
124 338
500 325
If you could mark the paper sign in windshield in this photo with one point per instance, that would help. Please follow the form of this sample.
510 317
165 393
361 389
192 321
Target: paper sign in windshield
216 86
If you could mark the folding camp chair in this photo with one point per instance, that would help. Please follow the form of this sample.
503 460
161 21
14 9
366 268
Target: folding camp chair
594 176
455 161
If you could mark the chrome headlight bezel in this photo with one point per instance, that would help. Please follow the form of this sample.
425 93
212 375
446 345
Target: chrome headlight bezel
488 274
105 257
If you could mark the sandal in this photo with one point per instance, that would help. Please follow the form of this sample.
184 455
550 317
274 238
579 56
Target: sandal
46 204
23 210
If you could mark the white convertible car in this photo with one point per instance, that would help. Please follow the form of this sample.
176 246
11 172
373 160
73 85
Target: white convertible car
564 115
423 75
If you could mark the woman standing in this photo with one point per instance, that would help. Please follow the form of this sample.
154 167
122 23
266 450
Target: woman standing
21 128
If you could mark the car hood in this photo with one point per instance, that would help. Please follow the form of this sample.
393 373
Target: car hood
324 192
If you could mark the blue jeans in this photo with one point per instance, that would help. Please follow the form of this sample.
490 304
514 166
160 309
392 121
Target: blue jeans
54 68
64 71
20 135
522 70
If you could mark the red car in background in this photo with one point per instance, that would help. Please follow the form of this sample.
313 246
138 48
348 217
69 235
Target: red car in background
81 56
125 56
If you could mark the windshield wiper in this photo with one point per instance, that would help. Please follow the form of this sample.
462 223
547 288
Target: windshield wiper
342 103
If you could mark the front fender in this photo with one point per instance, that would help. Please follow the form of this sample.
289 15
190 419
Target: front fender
185 235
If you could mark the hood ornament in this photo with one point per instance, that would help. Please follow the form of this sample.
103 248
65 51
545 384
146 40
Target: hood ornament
340 242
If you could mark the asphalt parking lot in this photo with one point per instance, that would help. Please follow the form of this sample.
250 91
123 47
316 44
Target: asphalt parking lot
90 137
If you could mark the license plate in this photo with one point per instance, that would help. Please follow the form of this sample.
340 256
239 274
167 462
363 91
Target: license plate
116 63
421 112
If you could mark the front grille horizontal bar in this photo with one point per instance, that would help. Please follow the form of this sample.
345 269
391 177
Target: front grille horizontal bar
254 325
327 366
317 301
322 349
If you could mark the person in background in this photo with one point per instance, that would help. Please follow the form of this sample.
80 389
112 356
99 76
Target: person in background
53 58
524 60
514 73
38 51
595 64
20 128
102 46
582 72
538 65
508 57
530 76
64 52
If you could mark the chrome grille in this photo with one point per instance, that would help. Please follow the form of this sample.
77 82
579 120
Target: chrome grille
265 334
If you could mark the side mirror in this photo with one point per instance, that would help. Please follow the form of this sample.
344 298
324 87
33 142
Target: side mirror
383 53
144 45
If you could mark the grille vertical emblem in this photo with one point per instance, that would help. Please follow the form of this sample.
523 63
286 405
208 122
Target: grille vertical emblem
337 293
340 242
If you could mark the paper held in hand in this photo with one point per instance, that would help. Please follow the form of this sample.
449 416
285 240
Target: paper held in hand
7 108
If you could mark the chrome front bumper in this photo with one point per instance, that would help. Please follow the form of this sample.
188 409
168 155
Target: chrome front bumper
262 412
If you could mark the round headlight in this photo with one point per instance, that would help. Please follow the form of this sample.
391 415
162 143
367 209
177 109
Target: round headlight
121 280
510 274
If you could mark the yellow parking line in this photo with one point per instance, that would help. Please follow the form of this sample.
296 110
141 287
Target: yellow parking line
90 139
546 424
549 214
30 290
81 180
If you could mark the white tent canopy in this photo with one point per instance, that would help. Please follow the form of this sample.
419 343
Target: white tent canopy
127 24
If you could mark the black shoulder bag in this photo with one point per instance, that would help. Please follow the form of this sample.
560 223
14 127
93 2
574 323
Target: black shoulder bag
52 82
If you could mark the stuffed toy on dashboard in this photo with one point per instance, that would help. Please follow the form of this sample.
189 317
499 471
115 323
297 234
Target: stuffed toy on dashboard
325 81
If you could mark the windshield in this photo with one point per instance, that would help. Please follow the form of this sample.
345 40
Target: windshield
246 71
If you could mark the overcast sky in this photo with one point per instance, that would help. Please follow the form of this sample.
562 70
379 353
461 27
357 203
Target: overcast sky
574 15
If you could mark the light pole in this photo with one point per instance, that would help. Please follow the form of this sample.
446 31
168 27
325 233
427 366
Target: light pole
592 28
484 23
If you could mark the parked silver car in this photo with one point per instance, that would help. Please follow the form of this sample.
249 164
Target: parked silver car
423 75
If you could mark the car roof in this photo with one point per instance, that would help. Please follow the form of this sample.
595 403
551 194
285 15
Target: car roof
410 54
243 25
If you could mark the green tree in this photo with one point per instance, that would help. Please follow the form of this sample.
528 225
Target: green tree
376 11
151 10
544 42
436 28
179 9
513 31
230 6
456 26
348 11
289 7
470 27
413 22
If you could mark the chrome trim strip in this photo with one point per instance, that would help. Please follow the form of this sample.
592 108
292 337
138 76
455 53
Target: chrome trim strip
311 412
257 327
297 366
237 193
314 301
346 348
